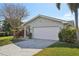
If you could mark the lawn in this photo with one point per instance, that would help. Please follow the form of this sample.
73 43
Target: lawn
60 49
5 40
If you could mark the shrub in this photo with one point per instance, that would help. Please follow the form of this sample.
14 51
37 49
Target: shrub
30 35
2 34
5 34
19 34
67 35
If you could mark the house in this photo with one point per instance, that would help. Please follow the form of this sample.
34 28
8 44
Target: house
44 27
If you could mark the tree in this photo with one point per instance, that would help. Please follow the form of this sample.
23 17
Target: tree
6 27
13 14
74 9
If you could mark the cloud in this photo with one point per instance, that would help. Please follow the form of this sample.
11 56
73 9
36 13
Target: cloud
68 16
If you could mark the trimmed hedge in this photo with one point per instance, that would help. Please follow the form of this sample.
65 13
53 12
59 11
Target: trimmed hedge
5 34
67 35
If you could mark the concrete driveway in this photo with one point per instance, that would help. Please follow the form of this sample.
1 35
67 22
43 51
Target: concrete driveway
25 48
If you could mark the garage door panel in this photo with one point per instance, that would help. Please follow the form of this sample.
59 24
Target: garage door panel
50 33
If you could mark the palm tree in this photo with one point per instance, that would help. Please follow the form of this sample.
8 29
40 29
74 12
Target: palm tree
74 9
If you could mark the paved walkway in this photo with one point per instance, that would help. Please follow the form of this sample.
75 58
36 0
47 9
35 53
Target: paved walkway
25 48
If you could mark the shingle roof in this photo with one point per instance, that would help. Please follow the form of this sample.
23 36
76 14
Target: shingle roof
48 17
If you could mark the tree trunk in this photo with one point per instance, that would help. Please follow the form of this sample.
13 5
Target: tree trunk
76 23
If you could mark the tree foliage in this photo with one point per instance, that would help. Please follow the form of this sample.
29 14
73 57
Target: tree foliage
6 26
68 34
13 14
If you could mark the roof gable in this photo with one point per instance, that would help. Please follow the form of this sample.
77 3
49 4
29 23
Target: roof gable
47 17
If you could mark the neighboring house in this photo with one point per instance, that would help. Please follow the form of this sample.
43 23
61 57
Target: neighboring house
44 27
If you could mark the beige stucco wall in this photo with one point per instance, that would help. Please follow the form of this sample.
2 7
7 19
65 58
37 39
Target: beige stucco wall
43 22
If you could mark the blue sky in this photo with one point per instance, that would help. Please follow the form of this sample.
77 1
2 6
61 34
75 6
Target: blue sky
48 9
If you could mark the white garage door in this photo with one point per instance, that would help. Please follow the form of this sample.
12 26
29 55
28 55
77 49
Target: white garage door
50 33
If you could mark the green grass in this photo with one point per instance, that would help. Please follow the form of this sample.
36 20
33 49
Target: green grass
60 49
6 40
